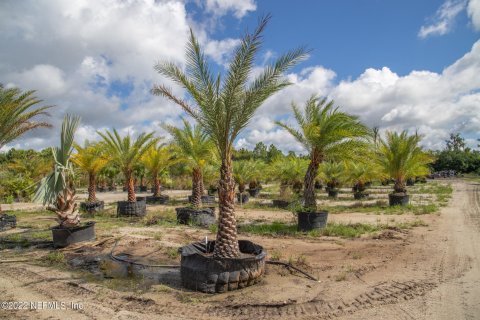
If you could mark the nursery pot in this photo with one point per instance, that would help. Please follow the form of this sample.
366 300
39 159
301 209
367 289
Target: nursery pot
312 220
332 193
360 195
63 237
92 207
143 188
205 199
137 208
200 271
398 199
7 222
254 192
157 200
202 217
281 203
242 197
410 182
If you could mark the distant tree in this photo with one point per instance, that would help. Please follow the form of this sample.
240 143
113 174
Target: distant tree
273 152
260 151
456 142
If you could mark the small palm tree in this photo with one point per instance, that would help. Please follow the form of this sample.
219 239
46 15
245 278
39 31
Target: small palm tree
401 157
289 171
333 173
360 173
196 150
158 159
223 107
126 152
57 188
327 134
245 171
16 116
91 159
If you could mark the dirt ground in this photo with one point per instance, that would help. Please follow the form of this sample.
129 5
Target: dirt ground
428 272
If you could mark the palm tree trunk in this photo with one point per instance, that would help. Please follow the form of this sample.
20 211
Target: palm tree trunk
309 181
196 187
92 185
130 187
399 186
226 245
156 186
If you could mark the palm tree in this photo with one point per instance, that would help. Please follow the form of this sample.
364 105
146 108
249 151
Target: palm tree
359 174
16 116
57 188
197 149
333 173
91 159
401 157
288 170
158 159
126 152
223 106
327 134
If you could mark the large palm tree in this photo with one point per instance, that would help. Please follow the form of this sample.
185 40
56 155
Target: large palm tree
57 187
157 160
16 114
401 157
197 150
126 152
91 159
327 134
223 106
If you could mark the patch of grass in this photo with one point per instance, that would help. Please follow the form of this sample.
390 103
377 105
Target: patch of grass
356 255
271 229
213 228
55 258
172 253
189 298
262 206
276 255
349 230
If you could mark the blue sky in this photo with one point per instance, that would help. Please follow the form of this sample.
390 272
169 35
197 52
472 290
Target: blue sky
400 65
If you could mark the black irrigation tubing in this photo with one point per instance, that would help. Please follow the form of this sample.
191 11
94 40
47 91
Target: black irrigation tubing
140 264
279 263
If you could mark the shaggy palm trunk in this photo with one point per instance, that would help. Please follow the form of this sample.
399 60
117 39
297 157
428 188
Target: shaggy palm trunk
399 186
92 186
130 187
309 181
156 185
226 245
197 187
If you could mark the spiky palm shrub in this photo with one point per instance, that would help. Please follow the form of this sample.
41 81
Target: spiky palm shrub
223 106
57 188
158 159
196 150
245 171
125 153
327 134
333 173
360 173
91 158
289 172
401 157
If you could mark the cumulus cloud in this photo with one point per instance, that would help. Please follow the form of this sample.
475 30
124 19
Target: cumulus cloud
239 7
435 104
443 21
473 10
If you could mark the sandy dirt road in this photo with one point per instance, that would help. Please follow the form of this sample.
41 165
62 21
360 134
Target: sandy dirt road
434 273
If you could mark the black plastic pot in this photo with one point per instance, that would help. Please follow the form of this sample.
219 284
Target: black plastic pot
318 185
92 207
201 217
312 220
332 193
360 195
137 208
157 200
410 182
143 188
281 203
398 199
254 192
63 237
7 222
244 197
212 192
207 199
201 272
101 189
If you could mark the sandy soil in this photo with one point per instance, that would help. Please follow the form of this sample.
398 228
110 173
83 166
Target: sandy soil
427 272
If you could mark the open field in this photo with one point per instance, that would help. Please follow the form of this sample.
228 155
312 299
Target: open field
372 262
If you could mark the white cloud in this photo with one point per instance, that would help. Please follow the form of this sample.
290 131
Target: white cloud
220 50
239 8
442 22
473 10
